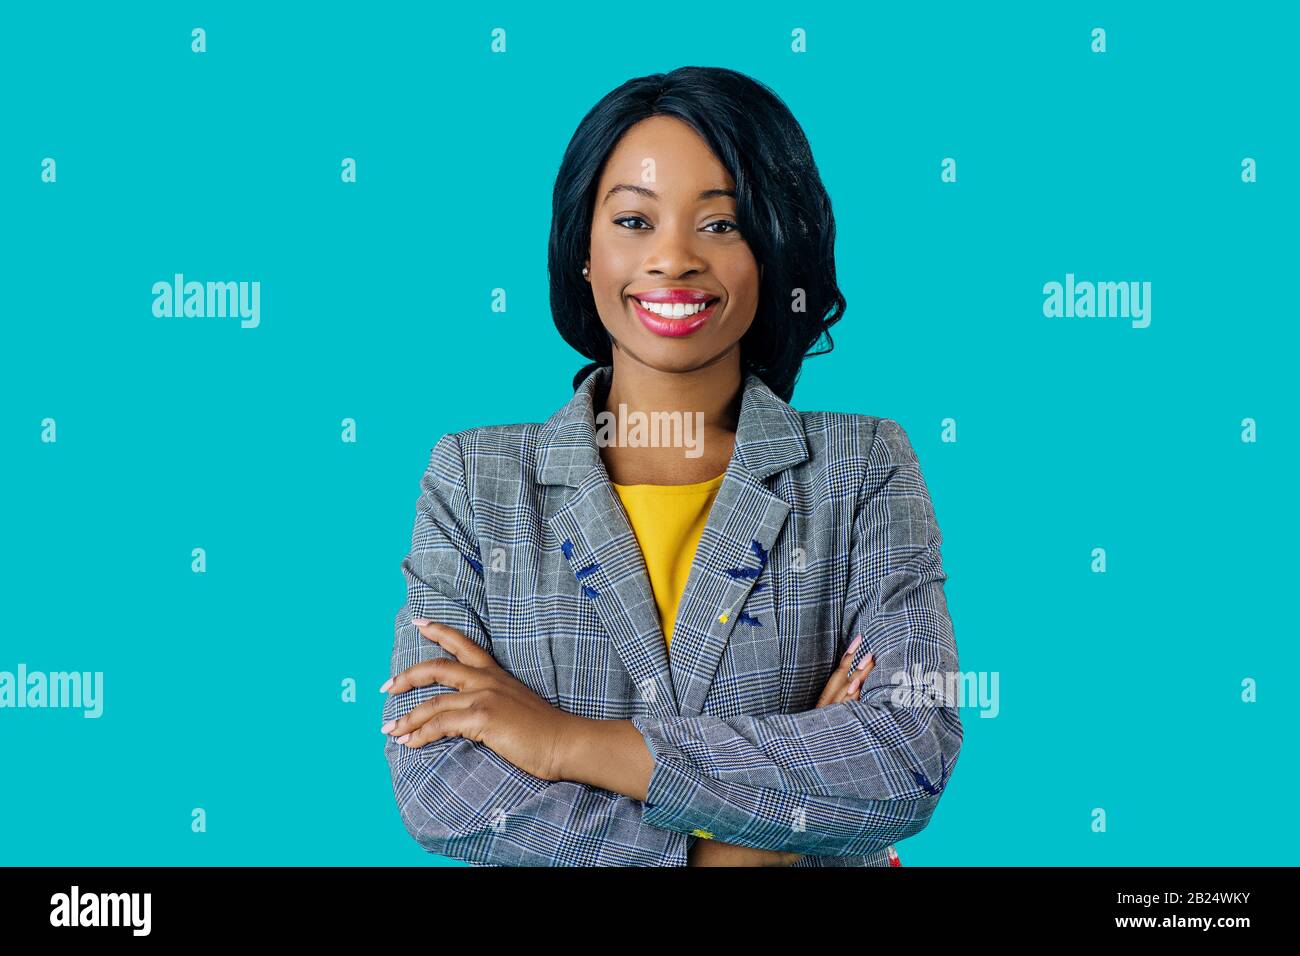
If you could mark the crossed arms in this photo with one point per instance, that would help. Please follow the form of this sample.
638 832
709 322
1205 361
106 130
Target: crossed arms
850 778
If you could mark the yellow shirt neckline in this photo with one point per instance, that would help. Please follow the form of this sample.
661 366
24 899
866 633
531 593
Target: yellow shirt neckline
694 488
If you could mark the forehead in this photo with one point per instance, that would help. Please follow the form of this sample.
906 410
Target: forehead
677 155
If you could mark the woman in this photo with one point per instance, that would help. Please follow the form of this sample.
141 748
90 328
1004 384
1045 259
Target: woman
626 652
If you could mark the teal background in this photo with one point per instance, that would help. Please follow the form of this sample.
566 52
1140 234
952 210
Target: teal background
222 690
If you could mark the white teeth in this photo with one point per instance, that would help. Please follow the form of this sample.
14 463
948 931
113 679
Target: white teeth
672 310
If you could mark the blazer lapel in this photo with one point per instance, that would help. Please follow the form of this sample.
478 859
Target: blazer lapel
742 528
601 549
604 556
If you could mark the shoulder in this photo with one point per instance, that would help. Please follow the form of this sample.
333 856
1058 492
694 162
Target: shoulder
843 438
494 441
866 463
486 459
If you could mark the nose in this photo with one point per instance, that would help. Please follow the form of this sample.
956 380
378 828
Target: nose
674 252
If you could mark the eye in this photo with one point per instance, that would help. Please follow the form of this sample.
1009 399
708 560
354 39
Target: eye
620 221
723 222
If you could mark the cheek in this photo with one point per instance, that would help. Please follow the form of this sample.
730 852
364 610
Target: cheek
607 289
613 311
611 304
738 271
613 259
744 300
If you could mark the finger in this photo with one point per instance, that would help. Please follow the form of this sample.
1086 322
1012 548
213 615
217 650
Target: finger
414 718
859 676
839 677
465 650
418 716
448 722
441 670
834 688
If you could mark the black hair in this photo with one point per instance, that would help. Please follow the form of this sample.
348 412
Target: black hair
782 211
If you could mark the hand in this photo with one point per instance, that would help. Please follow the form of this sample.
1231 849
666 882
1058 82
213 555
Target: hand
842 686
716 853
492 707
845 684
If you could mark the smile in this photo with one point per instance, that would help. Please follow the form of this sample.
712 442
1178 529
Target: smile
673 319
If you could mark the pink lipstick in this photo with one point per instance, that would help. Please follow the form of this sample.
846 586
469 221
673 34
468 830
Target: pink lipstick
673 325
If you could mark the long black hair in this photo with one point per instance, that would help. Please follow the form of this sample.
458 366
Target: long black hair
782 211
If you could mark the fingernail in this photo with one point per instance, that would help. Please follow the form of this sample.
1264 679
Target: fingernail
386 684
419 621
854 646
404 738
388 727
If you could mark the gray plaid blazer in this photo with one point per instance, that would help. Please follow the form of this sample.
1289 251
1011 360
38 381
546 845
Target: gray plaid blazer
822 529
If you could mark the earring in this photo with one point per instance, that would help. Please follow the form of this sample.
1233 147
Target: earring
585 270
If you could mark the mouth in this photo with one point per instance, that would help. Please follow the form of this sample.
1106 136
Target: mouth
662 318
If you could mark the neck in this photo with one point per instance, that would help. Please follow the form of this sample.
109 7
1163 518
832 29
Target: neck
708 400
713 390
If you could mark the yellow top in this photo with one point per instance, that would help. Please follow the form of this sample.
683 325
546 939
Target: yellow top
668 521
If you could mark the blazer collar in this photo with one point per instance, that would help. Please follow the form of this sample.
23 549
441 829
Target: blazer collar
769 433
742 529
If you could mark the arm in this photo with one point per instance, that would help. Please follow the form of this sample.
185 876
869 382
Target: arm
457 797
845 779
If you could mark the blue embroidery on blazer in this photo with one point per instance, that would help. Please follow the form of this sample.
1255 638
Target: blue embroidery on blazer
747 573
475 564
924 782
587 590
744 618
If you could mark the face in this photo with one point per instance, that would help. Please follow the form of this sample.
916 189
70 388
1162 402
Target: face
674 282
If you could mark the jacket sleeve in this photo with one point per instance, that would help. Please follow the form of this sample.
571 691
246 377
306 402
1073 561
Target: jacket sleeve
854 777
459 798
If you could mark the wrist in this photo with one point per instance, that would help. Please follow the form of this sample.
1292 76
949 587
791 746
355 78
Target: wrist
576 743
609 754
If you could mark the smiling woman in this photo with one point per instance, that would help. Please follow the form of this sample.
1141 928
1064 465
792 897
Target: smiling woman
642 238
537 713
669 171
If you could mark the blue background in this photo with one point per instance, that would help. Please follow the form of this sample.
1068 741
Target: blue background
222 690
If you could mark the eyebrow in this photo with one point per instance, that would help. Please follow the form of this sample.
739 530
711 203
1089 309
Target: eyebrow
651 194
